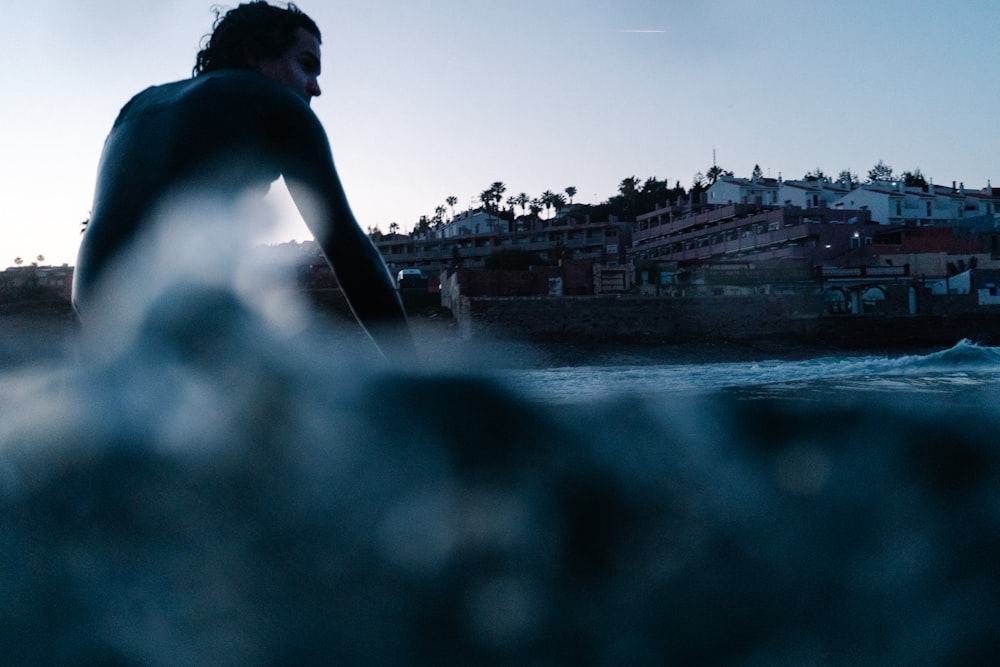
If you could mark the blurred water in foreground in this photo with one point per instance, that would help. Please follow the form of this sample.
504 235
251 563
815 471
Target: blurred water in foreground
207 486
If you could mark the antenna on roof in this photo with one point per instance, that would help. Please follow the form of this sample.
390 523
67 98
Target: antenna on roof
713 156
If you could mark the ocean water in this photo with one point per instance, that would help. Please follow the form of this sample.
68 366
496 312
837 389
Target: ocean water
964 372
206 480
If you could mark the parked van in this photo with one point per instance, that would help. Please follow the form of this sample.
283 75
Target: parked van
411 278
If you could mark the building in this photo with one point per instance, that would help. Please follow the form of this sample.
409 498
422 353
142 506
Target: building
893 203
810 194
566 238
731 190
741 232
55 282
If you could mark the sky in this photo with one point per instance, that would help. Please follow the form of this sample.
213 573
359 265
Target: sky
441 98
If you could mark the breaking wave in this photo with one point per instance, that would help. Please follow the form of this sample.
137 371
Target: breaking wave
965 364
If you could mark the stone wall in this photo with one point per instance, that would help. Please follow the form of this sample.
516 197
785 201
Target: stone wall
631 319
773 319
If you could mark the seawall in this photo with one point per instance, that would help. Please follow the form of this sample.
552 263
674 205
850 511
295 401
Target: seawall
771 319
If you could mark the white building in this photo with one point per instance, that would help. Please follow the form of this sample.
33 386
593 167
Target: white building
732 190
809 194
470 223
892 203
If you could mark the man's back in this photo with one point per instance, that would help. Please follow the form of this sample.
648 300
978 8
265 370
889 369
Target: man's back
222 134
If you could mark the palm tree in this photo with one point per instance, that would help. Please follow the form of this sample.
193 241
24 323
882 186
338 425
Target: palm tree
535 206
546 200
486 197
558 202
511 202
498 188
393 227
451 201
522 201
423 226
628 188
18 261
716 172
570 192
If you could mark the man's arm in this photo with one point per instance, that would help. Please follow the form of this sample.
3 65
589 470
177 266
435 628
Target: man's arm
319 195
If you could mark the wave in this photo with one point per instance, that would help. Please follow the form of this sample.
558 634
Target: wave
205 483
975 363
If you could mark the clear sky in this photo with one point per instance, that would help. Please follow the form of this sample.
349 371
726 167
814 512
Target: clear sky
444 97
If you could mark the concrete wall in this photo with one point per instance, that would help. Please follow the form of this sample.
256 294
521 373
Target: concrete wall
783 319
632 319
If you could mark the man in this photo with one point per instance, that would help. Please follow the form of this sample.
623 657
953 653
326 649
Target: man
238 124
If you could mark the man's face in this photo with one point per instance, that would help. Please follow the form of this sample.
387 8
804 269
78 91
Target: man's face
298 67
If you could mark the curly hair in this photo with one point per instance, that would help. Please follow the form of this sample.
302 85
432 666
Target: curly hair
252 31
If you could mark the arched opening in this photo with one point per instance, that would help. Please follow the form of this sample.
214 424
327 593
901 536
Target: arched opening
873 300
837 301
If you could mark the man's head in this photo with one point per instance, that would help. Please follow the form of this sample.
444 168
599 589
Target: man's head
280 43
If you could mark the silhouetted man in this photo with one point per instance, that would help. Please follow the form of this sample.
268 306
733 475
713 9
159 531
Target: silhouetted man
238 124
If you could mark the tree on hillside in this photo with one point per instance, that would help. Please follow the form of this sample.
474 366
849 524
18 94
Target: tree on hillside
847 178
627 189
913 178
698 186
451 201
714 173
814 175
486 198
546 200
756 174
511 203
423 225
535 206
570 192
880 172
18 261
497 188
393 227
523 200
558 202
653 193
